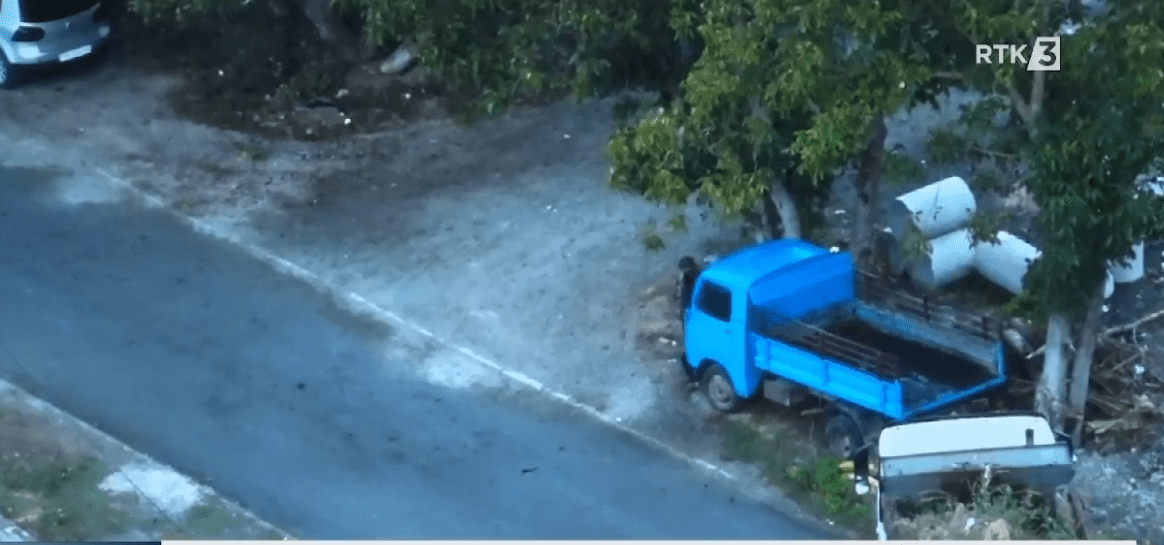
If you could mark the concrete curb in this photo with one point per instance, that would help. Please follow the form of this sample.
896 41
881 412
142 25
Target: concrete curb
9 531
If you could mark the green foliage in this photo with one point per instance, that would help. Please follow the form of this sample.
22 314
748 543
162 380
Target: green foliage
985 225
914 244
500 51
797 465
834 484
1100 130
652 240
506 50
785 90
179 9
900 168
1098 126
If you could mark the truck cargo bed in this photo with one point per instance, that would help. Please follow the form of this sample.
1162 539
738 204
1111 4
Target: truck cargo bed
888 362
940 366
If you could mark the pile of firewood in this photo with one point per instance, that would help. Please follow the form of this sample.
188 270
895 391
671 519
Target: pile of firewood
1121 392
1123 386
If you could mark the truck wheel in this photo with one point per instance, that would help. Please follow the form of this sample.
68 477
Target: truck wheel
844 437
718 389
688 372
9 74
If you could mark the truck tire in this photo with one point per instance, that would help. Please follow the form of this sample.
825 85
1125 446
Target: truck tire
844 437
9 73
718 389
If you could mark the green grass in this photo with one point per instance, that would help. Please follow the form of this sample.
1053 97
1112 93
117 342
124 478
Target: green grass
652 239
215 520
804 471
61 496
251 153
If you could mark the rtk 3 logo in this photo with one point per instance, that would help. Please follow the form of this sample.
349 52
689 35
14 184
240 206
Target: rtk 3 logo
1045 58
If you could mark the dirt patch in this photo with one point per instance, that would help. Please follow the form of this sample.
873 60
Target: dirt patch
659 331
282 82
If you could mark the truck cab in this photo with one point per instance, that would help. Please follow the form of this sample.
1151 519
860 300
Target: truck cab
715 325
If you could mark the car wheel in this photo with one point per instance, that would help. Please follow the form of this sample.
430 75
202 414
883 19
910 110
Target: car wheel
718 389
844 437
8 73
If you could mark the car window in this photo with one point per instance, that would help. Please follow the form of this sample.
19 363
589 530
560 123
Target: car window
42 11
715 301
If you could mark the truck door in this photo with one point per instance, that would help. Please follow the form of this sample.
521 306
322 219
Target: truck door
708 326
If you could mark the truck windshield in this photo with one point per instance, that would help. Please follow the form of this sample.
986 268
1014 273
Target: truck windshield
45 11
715 301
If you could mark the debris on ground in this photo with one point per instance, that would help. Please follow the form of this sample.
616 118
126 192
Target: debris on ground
991 513
1123 494
962 523
283 84
658 329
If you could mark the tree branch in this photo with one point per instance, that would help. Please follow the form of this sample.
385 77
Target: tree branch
1112 330
1133 325
1039 352
996 154
1020 104
1038 92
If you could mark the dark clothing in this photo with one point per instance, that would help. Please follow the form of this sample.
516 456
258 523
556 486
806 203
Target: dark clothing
685 288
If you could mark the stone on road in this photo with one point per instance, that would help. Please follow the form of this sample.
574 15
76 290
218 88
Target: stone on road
319 420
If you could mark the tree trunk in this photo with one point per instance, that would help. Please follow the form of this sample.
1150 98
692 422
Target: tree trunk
1084 356
868 182
320 13
764 232
786 208
1051 393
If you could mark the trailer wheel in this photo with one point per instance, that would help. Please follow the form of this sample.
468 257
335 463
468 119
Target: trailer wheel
844 437
718 389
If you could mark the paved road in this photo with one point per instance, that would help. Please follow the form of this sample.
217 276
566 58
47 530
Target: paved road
314 418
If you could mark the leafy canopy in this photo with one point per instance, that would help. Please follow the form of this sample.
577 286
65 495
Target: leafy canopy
784 90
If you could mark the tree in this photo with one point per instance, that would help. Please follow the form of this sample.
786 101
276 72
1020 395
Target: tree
499 51
1083 135
1101 128
786 94
319 12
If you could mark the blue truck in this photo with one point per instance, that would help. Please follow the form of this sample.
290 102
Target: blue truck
788 320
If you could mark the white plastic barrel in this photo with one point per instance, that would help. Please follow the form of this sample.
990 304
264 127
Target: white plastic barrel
1006 262
935 209
950 257
1154 185
1131 270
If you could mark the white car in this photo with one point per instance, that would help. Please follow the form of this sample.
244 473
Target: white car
39 32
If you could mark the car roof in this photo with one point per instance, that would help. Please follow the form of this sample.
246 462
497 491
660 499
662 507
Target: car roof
744 267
